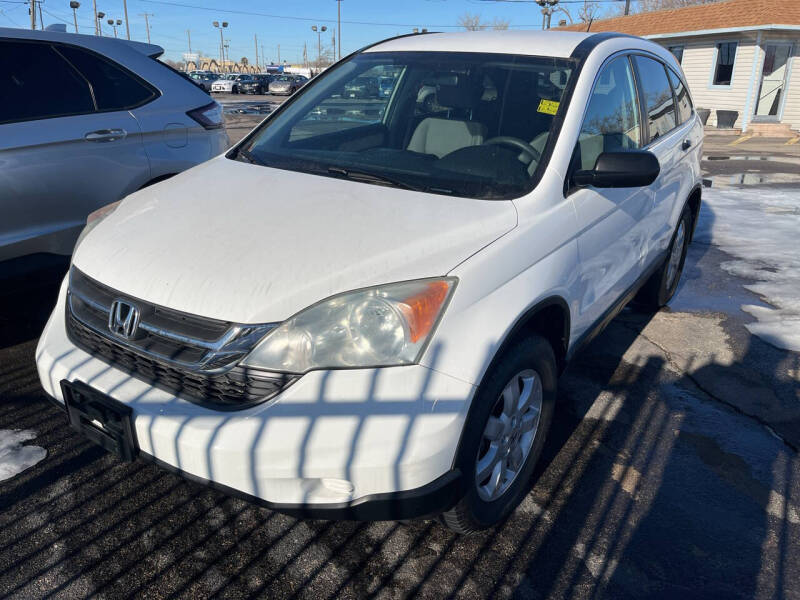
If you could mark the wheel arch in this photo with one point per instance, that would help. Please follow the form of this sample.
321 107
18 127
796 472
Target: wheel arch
694 202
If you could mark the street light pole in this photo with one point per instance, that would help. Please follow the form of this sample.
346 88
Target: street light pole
100 16
319 31
33 14
74 5
220 26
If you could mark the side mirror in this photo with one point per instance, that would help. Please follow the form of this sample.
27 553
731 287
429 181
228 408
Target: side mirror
637 168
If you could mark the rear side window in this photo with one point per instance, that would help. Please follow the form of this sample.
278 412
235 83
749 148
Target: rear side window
612 116
656 96
682 96
114 88
37 83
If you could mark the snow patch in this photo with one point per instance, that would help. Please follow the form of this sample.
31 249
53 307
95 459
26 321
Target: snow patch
761 228
14 457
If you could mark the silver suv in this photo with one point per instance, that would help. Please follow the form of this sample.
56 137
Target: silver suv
85 121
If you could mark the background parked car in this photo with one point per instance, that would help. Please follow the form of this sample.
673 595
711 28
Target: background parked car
230 83
204 80
287 84
84 121
258 85
362 87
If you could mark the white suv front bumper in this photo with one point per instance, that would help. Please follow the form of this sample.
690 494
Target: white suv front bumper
332 438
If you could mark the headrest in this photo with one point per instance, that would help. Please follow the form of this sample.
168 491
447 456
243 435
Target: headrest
462 95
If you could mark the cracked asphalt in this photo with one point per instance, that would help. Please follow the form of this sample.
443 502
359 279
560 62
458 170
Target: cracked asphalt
672 469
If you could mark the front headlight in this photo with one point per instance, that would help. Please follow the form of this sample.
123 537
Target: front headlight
383 326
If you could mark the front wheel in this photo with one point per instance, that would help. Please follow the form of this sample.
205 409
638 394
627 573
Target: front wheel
504 435
659 289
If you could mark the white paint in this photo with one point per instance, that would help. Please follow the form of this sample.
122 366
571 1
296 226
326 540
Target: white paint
761 228
14 457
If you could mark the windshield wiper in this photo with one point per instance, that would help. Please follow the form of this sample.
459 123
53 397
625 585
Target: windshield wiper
249 157
369 177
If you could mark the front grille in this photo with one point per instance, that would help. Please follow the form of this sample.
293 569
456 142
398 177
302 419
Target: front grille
189 356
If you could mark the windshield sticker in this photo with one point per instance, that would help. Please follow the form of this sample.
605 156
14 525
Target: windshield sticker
548 107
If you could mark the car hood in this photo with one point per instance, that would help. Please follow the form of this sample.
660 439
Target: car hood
283 241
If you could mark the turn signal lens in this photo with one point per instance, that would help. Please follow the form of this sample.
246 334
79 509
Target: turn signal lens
421 310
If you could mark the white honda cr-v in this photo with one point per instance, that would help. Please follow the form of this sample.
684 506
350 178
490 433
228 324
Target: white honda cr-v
373 326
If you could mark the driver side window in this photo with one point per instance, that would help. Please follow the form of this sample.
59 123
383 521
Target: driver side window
612 122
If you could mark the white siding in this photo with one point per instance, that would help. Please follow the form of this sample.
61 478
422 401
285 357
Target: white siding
699 63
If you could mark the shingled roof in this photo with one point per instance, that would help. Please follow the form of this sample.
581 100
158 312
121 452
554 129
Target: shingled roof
703 17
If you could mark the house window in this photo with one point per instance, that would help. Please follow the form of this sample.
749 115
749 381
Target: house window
677 51
723 71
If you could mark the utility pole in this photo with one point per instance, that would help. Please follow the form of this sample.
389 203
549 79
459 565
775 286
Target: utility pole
279 54
127 26
339 25
33 14
147 23
189 36
94 5
255 39
627 7
74 5
41 20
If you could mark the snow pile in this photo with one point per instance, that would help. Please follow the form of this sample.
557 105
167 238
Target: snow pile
761 228
14 457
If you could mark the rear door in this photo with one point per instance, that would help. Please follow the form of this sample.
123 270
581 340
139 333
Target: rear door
671 139
62 156
612 237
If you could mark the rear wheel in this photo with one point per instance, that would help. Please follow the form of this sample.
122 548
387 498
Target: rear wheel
504 435
659 289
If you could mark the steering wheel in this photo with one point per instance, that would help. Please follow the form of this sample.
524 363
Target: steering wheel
517 144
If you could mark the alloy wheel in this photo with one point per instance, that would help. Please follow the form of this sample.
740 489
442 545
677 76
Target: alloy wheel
508 435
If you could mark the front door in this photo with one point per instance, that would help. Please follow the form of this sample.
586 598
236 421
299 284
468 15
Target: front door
772 87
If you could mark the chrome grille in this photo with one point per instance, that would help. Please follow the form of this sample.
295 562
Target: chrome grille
189 356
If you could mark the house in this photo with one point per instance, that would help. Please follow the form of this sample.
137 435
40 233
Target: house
737 55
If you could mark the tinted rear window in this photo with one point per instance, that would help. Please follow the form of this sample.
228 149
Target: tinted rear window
37 83
114 88
658 101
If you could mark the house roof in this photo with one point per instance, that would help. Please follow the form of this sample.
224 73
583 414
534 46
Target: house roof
703 17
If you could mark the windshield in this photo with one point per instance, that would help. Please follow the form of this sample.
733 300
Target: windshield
465 124
285 78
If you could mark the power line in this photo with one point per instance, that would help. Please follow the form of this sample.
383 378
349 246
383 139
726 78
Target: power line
313 19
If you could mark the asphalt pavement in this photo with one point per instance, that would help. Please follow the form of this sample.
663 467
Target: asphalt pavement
671 470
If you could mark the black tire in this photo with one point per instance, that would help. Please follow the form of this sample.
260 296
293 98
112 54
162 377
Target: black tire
659 289
472 512
235 90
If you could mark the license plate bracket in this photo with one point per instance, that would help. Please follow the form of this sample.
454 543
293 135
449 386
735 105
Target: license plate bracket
105 421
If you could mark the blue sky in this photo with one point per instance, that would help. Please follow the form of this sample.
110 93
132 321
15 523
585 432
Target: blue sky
287 22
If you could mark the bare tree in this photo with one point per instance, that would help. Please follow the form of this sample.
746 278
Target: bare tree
589 11
639 6
500 24
472 22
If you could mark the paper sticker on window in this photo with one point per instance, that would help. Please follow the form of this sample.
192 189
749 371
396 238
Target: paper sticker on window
548 107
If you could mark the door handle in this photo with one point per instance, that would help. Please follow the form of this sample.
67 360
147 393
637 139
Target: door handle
686 144
105 135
